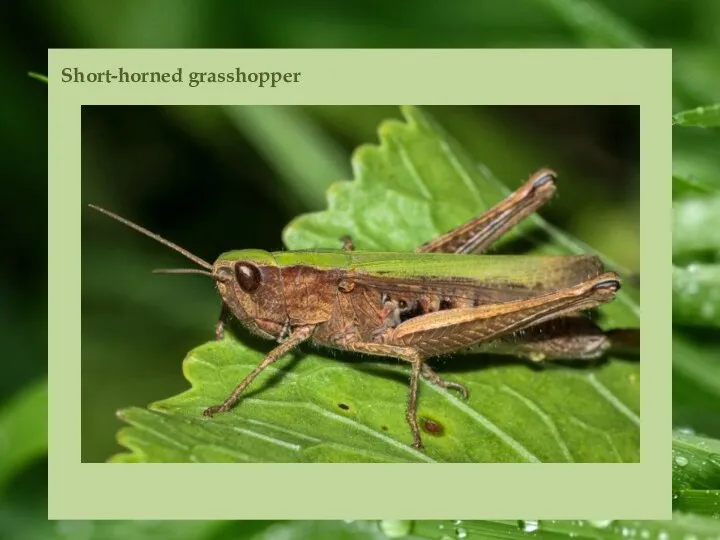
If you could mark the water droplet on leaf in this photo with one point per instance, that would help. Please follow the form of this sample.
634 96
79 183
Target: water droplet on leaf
395 528
528 525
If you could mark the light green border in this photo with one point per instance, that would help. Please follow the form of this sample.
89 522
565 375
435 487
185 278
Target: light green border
338 491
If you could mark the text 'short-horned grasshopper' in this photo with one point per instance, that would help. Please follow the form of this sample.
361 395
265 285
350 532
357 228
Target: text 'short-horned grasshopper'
416 306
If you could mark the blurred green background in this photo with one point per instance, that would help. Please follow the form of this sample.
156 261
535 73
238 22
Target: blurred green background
688 26
219 178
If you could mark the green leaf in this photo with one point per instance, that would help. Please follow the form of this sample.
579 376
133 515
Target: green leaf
696 295
708 116
23 430
696 461
138 530
698 501
330 530
596 26
696 227
323 406
696 160
697 359
682 527
294 412
683 186
696 256
694 406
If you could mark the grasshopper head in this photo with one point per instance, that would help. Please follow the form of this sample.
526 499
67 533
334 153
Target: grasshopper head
249 283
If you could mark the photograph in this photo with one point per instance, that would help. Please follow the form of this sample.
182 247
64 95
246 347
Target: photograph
391 284
312 281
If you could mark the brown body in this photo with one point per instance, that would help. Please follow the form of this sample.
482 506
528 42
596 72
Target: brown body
346 308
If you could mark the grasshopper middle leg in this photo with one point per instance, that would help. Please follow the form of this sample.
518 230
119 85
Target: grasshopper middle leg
409 355
430 375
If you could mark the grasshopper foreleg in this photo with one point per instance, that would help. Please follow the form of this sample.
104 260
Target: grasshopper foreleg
296 338
223 319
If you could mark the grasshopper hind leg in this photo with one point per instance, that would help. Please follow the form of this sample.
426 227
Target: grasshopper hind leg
478 234
566 338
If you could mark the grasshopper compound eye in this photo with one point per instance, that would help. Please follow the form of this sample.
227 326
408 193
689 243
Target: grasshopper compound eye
248 276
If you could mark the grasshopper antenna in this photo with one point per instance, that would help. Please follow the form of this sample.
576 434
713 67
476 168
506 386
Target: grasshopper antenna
182 271
160 239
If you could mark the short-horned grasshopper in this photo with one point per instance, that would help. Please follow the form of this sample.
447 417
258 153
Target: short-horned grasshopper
444 298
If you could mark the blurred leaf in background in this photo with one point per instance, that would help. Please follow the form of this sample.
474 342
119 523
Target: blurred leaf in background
696 269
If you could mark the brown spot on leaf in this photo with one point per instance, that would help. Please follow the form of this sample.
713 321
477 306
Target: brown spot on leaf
433 427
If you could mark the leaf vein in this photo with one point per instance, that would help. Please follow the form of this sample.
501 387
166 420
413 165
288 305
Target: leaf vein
160 435
414 174
462 173
267 438
369 430
487 424
291 432
605 392
600 433
547 420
